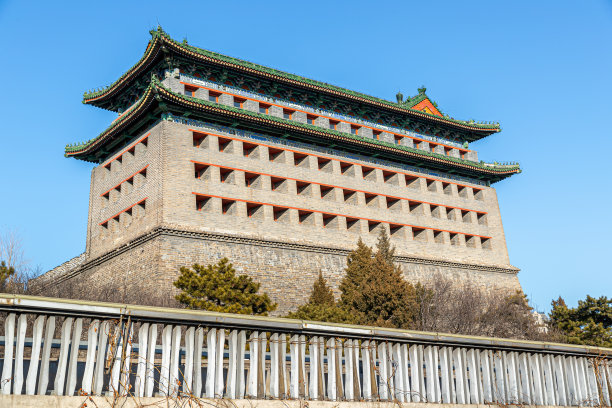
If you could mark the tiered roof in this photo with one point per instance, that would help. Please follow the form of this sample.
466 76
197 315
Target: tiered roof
142 99
162 49
158 99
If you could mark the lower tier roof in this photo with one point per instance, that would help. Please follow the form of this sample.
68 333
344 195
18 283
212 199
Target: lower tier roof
158 99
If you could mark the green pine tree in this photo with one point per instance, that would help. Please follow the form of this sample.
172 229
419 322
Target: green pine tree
322 307
5 274
589 323
217 288
386 299
358 267
384 248
321 294
324 313
374 288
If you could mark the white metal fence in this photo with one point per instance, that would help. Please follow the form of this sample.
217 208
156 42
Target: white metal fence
64 347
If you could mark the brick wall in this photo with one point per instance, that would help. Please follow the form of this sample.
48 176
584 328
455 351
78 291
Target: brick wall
436 201
315 207
285 271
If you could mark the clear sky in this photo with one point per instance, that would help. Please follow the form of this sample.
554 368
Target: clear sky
542 69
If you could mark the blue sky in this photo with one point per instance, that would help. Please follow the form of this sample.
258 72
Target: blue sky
542 69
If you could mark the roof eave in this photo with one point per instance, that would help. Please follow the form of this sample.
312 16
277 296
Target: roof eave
166 94
101 98
162 39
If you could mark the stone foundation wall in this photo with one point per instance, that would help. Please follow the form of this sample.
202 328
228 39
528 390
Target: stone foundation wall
286 271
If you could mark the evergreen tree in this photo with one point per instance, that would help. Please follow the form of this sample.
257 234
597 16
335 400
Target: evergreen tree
322 307
386 299
5 273
358 267
589 323
321 294
374 288
324 313
217 288
384 248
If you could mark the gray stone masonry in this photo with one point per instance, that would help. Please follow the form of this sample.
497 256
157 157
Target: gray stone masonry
299 116
366 132
180 203
281 213
387 137
286 272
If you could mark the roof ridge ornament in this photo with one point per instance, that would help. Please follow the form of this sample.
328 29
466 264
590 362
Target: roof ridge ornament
157 31
422 90
400 97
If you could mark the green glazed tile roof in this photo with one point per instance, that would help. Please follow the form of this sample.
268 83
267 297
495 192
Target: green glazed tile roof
159 38
157 90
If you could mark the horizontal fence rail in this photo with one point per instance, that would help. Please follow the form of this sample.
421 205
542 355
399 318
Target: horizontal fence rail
65 347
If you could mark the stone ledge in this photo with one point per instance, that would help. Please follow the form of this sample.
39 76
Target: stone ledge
52 401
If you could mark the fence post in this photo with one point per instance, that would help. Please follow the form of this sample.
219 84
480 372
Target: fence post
338 357
274 372
294 383
74 355
592 381
60 376
559 370
474 376
321 386
549 382
365 363
429 369
390 372
187 385
446 374
116 358
197 362
253 366
219 360
37 332
460 382
232 369
241 353
349 386
604 382
398 368
164 375
7 367
141 364
43 378
283 366
22 324
150 368
331 369
175 357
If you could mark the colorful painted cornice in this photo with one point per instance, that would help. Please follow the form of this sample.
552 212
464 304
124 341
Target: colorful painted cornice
161 44
158 96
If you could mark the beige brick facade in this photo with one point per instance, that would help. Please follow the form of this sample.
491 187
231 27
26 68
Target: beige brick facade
201 183
214 157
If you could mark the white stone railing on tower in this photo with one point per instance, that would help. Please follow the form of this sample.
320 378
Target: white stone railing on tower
65 347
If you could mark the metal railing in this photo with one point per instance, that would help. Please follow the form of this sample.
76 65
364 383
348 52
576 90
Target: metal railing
112 349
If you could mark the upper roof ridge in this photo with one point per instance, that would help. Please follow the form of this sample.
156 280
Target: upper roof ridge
162 41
